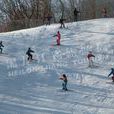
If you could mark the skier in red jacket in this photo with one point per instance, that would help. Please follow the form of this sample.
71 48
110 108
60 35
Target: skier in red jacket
58 35
90 59
58 38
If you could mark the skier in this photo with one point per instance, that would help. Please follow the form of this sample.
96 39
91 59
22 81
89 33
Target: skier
62 23
112 73
90 59
76 14
30 56
104 13
64 84
58 37
1 45
48 19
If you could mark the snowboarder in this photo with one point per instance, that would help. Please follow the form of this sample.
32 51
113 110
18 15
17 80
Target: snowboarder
64 84
90 59
112 73
104 13
1 45
58 38
30 56
76 14
62 23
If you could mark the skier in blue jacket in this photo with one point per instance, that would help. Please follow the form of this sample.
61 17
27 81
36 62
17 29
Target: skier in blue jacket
112 73
1 45
64 84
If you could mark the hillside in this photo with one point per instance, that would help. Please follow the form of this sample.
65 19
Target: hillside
35 88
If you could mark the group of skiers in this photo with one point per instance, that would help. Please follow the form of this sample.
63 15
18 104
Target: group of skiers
48 17
90 56
76 12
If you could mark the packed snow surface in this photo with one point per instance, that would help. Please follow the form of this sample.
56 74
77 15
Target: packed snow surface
34 87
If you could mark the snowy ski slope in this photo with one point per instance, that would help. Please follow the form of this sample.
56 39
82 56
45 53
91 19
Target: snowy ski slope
34 88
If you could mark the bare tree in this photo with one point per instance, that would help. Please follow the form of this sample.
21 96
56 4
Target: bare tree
21 13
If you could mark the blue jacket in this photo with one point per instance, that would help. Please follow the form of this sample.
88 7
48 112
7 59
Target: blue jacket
1 45
112 72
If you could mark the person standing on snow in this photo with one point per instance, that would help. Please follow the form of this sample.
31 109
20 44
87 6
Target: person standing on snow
112 73
30 56
62 23
64 84
104 13
90 59
76 14
48 18
1 45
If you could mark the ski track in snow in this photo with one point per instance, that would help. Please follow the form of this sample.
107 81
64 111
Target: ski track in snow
33 88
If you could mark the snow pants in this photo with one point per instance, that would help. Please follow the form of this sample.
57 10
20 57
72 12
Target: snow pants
1 50
64 85
62 25
113 78
30 57
90 62
58 41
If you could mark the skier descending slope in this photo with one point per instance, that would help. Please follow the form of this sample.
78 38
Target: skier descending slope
30 56
1 45
64 84
112 73
58 38
90 58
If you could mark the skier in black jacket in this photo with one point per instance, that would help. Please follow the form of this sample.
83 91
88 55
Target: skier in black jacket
76 14
30 56
1 45
62 23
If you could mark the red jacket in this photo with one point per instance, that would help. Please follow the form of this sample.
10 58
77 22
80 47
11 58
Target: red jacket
58 36
112 77
90 55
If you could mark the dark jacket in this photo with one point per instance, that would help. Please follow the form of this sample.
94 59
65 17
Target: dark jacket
112 72
61 21
29 51
90 55
76 12
1 45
